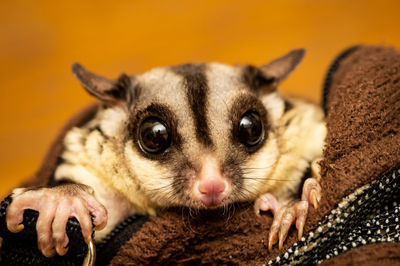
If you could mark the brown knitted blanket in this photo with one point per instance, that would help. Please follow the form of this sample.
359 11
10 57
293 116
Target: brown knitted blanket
362 102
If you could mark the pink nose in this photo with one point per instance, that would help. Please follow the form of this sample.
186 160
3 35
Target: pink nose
211 192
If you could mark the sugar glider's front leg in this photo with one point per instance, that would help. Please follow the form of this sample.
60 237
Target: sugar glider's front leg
55 205
293 212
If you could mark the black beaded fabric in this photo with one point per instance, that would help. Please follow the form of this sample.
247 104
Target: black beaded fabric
329 75
21 248
371 214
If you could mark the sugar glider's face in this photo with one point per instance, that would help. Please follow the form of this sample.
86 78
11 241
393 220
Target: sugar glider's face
199 135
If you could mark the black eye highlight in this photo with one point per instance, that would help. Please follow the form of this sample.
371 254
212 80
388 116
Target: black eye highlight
250 130
154 135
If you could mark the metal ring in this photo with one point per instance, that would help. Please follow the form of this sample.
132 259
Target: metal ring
90 256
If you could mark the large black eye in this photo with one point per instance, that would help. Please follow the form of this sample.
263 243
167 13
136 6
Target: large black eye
250 129
154 135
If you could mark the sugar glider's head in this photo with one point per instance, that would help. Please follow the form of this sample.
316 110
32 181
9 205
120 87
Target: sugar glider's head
198 135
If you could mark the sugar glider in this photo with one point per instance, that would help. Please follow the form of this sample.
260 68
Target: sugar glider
195 135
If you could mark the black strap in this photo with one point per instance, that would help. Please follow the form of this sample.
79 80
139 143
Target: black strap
331 70
110 245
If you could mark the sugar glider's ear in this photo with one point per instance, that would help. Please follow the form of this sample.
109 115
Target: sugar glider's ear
278 70
110 92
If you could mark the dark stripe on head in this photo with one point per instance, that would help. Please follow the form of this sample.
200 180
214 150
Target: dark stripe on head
254 79
196 89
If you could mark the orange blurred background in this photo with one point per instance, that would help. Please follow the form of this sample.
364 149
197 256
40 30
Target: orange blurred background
40 39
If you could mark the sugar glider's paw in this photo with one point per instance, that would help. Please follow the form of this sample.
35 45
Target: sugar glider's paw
55 205
288 214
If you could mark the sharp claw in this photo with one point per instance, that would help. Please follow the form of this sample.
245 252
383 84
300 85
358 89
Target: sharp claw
314 200
49 253
65 251
260 206
312 192
257 207
62 251
281 240
283 232
319 197
302 210
18 228
300 231
272 240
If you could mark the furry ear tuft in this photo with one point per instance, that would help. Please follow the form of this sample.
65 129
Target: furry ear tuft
108 91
